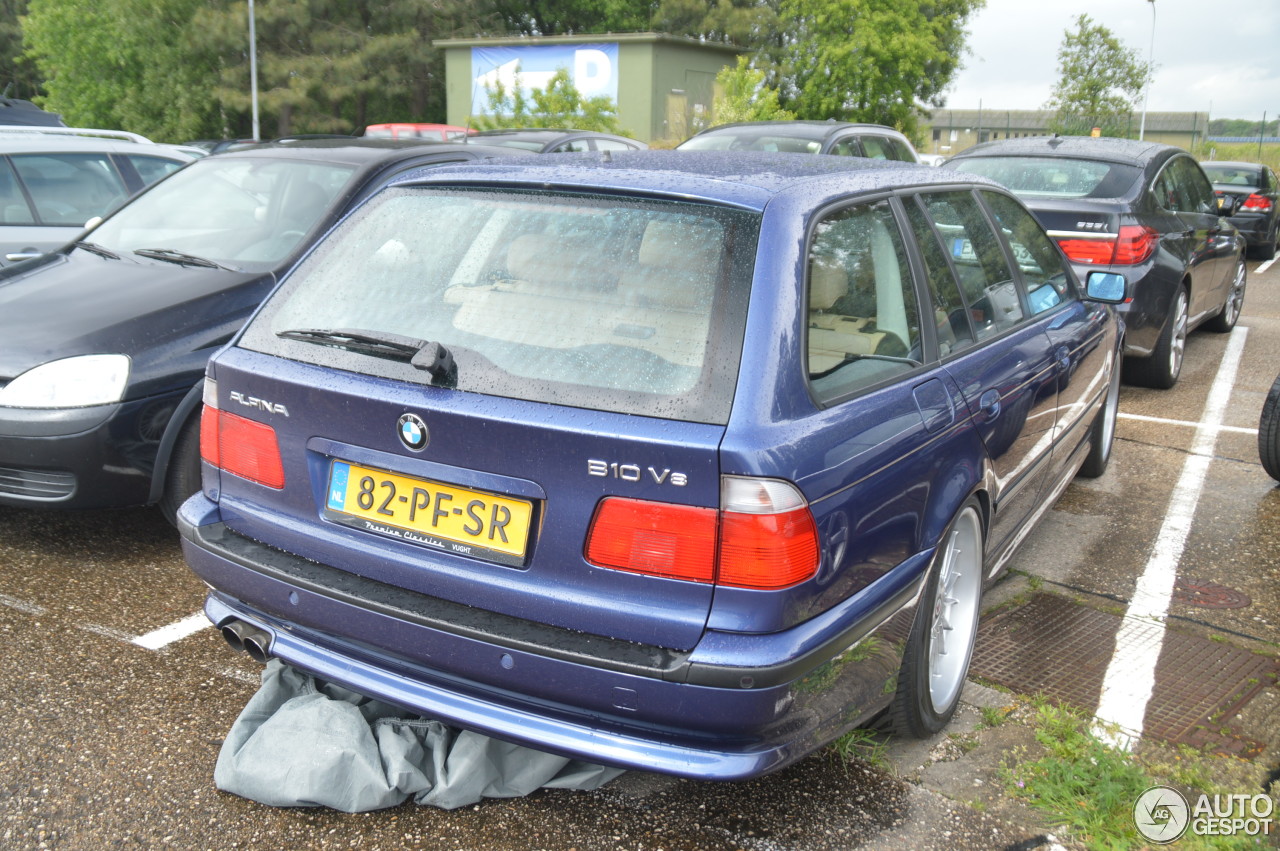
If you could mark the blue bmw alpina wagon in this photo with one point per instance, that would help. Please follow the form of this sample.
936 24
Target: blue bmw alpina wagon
685 462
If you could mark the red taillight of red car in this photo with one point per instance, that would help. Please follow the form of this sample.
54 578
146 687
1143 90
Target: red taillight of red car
1256 203
762 538
241 446
1133 245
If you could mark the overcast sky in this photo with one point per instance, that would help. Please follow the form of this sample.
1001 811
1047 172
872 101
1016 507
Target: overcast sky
1222 58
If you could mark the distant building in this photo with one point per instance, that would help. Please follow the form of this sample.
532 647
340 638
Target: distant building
663 85
950 131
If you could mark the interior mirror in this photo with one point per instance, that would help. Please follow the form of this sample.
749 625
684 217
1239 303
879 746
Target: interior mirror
1108 287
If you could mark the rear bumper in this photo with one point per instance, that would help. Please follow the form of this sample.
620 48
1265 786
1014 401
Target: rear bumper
736 706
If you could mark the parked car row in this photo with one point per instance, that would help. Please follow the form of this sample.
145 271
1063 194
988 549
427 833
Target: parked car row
687 460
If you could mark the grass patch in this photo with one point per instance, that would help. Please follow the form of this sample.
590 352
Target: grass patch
863 744
1088 788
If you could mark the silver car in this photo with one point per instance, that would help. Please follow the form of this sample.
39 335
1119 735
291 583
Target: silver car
54 180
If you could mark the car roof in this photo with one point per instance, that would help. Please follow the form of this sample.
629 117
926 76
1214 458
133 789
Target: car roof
747 179
807 129
359 150
1126 151
20 140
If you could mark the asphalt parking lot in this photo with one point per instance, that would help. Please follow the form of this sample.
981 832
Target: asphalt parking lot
116 695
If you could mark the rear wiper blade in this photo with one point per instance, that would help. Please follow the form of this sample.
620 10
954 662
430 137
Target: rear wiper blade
94 248
428 356
170 255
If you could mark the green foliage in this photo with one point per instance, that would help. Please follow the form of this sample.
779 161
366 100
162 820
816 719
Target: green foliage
179 69
1243 127
881 61
568 17
19 77
746 23
1250 152
864 744
1089 787
742 96
560 106
1099 82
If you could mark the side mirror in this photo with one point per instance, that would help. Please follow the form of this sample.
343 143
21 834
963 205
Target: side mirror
1228 205
1107 287
93 223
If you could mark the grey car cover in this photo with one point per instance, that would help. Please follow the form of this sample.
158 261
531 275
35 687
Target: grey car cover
301 742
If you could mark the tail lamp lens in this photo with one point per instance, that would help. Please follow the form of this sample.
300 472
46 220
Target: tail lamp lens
241 446
1133 245
1260 203
762 538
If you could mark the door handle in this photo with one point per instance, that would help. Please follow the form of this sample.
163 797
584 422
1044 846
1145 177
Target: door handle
989 404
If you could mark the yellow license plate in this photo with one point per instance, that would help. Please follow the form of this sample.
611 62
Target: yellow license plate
446 517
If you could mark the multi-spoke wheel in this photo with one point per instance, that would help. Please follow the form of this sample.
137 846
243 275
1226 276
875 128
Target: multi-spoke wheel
1162 368
936 661
1226 320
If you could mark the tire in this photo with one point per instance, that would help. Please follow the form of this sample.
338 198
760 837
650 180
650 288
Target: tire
1162 368
936 662
1226 320
182 478
1102 434
1268 251
1269 432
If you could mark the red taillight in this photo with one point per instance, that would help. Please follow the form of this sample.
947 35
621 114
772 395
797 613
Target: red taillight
1095 251
657 538
1261 203
1134 245
241 446
763 537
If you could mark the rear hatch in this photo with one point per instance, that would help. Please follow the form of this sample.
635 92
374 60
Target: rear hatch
456 379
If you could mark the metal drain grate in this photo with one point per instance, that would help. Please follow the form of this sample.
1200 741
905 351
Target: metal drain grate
1061 649
1209 595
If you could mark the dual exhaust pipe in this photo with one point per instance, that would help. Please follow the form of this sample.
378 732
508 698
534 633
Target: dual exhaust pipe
249 639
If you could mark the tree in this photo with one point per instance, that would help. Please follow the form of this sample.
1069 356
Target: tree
1099 82
743 96
18 75
560 106
880 61
569 17
745 23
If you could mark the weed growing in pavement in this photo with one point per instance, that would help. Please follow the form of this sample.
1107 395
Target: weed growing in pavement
1089 788
864 744
992 716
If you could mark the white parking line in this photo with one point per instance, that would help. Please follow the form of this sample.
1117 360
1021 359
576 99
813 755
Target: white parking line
177 631
1187 424
21 605
1265 266
1130 677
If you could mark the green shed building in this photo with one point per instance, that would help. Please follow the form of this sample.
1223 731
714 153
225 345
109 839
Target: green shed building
663 85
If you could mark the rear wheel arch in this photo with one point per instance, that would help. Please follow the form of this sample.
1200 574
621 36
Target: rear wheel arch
188 407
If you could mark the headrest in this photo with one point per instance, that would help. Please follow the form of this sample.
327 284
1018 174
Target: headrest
828 282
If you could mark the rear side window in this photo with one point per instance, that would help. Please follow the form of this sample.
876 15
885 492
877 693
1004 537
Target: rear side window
151 169
864 322
884 148
13 206
70 189
951 314
616 304
980 265
1043 268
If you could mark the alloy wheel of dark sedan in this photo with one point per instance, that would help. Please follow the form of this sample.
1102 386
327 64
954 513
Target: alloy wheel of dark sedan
1226 320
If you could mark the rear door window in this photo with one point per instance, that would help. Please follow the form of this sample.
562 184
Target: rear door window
70 189
986 280
14 209
864 319
1044 269
950 313
610 303
151 169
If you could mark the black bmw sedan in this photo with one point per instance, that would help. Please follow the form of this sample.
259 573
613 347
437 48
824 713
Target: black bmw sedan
1140 209
103 343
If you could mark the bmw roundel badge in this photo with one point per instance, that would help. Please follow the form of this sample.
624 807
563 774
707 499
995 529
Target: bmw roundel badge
413 431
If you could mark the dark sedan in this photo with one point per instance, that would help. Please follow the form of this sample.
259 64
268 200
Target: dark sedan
1254 193
538 140
1140 209
103 343
841 138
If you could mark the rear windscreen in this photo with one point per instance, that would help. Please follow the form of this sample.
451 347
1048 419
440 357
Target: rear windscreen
1053 177
1227 175
598 302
